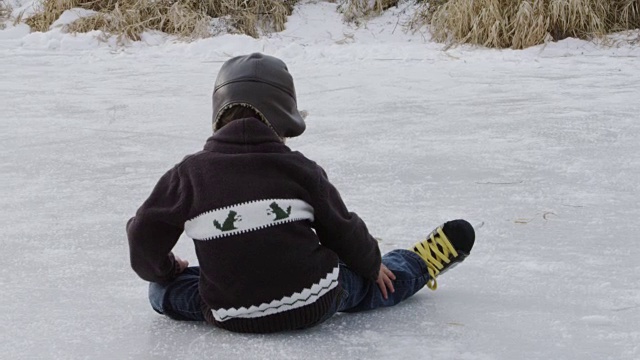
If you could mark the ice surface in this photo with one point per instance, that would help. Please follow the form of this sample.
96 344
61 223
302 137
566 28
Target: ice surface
541 145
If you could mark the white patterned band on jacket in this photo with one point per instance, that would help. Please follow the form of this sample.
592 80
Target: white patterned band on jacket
247 217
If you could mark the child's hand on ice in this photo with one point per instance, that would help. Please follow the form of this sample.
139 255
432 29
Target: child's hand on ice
385 277
182 264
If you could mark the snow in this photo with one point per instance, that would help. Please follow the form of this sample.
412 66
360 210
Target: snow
69 16
540 145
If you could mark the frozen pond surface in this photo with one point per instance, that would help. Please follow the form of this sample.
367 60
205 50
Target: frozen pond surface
541 146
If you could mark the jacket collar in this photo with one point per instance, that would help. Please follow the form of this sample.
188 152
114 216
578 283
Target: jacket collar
245 135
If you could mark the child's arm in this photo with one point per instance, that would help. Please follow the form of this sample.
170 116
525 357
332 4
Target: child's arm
155 229
344 232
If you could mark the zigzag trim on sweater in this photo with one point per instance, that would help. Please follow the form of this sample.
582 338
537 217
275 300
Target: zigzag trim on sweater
245 217
296 300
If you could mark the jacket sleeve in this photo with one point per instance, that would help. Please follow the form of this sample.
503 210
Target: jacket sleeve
344 232
156 228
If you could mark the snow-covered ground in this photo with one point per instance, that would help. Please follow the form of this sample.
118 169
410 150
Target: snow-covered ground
539 145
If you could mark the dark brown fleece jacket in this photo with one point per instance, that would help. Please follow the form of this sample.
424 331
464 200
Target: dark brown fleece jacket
268 228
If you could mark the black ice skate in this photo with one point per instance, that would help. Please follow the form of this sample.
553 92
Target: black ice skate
446 246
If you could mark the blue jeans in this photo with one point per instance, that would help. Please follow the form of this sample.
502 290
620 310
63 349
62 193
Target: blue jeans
180 299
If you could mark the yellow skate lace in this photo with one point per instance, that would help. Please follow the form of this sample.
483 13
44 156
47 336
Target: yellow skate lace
429 251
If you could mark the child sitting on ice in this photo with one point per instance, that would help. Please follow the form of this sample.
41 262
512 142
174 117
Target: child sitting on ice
277 248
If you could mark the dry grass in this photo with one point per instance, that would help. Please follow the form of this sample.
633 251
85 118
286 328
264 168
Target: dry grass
628 14
522 23
131 20
185 18
5 10
5 13
47 12
249 17
356 10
